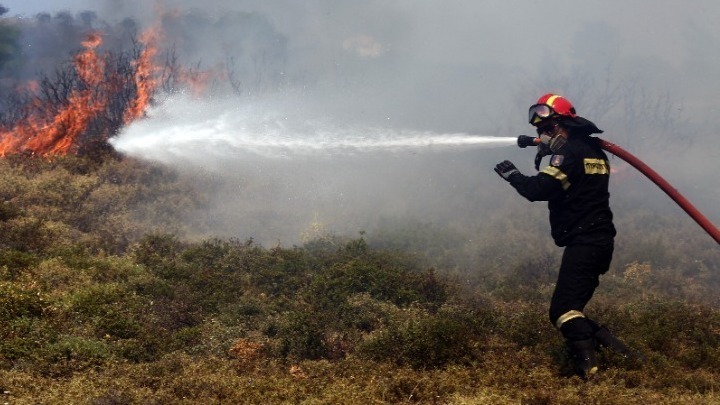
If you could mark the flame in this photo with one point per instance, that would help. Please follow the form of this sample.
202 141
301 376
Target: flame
93 41
45 134
197 81
145 75
49 129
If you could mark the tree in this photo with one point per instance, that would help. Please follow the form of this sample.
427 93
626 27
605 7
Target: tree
9 36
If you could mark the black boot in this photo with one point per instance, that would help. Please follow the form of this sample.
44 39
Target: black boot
606 339
583 353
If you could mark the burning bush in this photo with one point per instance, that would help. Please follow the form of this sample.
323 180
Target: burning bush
81 105
74 106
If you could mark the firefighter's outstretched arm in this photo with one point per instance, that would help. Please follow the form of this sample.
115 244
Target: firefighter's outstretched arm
541 187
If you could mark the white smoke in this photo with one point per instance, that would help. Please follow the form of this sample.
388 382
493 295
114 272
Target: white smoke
415 69
271 169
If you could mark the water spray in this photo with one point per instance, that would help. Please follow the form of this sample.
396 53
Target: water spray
524 141
208 134
182 129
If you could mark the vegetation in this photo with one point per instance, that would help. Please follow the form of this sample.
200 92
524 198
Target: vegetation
108 296
105 300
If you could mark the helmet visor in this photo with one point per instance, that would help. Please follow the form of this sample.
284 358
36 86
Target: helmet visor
539 112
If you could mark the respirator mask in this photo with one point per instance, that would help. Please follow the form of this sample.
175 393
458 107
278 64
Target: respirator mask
550 142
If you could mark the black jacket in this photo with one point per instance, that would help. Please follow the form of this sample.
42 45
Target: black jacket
575 184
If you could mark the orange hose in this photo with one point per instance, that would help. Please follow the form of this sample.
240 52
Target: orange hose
655 178
665 186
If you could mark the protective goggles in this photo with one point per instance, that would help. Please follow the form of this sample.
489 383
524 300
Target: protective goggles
540 112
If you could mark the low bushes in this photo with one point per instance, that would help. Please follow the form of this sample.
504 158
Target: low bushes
98 301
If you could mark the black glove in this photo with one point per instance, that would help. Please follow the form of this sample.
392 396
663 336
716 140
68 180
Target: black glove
506 169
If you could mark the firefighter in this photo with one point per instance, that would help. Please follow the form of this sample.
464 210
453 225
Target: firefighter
575 185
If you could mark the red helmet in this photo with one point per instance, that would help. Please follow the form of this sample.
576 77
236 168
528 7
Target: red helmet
550 106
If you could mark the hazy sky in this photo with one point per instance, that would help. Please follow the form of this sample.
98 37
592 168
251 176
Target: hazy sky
454 49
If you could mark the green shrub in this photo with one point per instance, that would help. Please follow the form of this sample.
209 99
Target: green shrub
684 333
25 234
110 309
524 324
74 353
423 340
383 275
59 190
20 300
302 335
23 338
532 279
9 210
13 262
157 252
110 269
210 270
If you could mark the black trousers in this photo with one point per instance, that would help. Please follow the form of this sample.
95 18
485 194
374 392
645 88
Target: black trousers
579 276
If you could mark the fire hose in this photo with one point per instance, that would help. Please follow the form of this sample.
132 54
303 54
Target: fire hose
525 141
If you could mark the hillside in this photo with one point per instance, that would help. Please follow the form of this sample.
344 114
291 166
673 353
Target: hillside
109 296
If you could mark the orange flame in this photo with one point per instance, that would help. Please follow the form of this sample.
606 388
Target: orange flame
48 135
196 81
49 130
145 75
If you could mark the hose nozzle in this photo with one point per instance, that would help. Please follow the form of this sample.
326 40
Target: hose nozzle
524 141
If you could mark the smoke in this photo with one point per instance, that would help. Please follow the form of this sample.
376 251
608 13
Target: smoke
276 171
323 69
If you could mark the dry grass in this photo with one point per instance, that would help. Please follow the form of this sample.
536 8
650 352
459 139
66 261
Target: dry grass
99 307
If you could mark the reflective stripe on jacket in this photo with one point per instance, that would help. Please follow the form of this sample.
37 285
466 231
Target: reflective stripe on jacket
575 184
